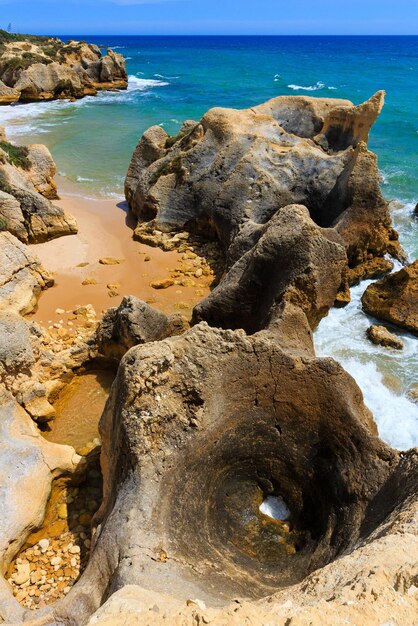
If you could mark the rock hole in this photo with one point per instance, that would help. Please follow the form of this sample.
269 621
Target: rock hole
276 508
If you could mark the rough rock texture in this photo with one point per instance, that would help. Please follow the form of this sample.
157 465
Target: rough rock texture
26 185
231 173
294 261
45 68
395 298
134 322
8 95
35 463
380 335
199 429
22 277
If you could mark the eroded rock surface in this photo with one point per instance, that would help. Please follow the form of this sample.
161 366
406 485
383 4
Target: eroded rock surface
134 322
395 298
382 336
45 68
26 187
231 173
22 277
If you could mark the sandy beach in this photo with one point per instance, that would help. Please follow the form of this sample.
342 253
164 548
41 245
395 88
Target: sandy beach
105 231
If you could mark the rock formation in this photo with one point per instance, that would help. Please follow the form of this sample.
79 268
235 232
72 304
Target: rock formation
230 174
381 336
45 68
395 298
22 277
134 322
26 187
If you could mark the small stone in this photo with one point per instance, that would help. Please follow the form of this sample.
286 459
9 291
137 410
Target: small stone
59 311
74 550
44 545
22 575
73 562
56 560
147 258
162 284
110 261
198 273
89 281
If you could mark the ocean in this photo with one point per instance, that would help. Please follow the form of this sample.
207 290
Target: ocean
178 78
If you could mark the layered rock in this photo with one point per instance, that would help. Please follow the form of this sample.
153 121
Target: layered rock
395 298
230 174
45 68
26 187
22 277
134 322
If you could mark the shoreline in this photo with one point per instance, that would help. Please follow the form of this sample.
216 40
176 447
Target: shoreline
105 231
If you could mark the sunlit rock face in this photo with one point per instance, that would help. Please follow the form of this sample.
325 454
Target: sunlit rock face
235 170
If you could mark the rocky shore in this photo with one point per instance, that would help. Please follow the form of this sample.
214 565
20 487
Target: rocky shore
45 68
219 407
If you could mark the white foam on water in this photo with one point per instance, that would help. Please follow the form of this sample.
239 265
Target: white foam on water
318 86
275 507
141 84
382 374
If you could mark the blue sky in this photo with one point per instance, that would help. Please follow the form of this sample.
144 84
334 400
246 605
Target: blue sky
191 17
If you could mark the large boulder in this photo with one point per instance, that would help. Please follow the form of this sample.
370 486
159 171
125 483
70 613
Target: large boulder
22 277
229 174
134 322
395 298
201 429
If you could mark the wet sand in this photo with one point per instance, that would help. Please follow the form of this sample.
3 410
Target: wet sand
105 230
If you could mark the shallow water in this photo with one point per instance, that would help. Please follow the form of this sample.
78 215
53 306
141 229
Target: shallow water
79 408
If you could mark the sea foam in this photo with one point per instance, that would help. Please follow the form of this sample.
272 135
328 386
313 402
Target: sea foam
316 87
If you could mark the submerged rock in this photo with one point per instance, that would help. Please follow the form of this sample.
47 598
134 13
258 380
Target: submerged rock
45 68
395 298
380 335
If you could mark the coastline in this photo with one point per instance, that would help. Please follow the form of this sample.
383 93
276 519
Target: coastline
105 230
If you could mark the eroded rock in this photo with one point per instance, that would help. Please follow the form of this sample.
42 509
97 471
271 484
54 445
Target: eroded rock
22 277
380 335
395 298
134 322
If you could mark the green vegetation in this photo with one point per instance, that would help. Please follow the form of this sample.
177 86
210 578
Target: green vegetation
3 224
18 155
6 37
175 138
4 185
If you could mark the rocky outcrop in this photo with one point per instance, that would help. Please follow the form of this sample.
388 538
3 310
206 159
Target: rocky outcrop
294 261
134 322
26 187
395 298
45 68
198 431
22 277
230 174
25 490
381 336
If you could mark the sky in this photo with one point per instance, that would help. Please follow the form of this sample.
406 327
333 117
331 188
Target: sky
211 17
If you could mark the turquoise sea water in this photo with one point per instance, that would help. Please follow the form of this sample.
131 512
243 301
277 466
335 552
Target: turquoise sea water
178 78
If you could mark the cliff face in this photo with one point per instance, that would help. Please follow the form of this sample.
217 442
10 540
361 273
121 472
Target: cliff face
45 68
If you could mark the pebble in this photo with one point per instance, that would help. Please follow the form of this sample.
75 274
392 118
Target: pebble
43 544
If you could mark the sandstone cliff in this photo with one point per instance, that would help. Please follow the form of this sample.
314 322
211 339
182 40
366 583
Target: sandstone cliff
45 68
